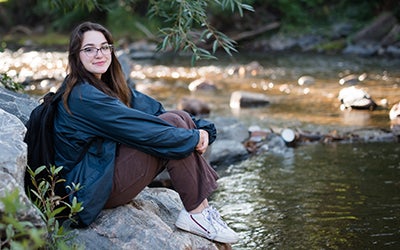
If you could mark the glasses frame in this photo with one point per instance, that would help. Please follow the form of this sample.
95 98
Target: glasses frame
109 48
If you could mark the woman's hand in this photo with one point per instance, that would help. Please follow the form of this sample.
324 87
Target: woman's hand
201 147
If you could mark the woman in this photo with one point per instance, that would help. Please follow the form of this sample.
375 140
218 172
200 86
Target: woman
132 139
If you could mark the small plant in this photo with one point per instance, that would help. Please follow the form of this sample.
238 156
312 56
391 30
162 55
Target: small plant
17 234
52 206
8 83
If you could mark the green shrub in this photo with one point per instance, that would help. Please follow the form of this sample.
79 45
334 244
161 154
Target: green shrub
8 83
16 234
51 205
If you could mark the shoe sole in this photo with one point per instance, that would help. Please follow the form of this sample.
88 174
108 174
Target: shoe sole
217 239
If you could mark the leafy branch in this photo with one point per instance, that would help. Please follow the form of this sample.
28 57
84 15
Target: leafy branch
184 16
186 25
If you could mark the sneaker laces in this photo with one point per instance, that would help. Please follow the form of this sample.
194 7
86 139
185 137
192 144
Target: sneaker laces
215 216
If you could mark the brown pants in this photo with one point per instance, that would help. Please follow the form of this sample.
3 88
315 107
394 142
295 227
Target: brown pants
192 177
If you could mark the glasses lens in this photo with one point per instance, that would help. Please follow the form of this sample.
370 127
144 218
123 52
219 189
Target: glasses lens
106 49
90 51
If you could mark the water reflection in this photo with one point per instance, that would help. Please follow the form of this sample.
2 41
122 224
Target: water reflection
357 118
341 196
277 77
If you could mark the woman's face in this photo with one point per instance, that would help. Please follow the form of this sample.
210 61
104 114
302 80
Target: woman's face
95 53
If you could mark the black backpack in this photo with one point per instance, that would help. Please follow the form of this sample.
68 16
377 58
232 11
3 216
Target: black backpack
39 138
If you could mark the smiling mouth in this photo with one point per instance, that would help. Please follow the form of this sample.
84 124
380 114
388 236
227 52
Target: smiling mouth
99 63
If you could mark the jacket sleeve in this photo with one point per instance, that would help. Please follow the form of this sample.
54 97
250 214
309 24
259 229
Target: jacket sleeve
96 113
146 103
207 126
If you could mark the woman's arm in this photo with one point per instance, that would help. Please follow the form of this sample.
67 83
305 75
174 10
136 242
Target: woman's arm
101 115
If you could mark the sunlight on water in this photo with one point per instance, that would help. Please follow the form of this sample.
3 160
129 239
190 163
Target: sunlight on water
341 196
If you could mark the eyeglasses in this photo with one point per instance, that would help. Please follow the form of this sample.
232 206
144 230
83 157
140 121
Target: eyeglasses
92 51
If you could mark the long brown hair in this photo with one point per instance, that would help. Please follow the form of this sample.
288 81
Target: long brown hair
112 82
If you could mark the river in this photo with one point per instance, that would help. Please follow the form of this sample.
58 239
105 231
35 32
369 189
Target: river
316 196
276 76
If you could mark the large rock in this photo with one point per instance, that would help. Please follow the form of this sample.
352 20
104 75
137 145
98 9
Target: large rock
231 129
145 223
12 166
242 99
229 148
227 152
379 37
17 104
377 30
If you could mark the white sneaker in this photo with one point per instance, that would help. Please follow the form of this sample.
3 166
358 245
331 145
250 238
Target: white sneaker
208 224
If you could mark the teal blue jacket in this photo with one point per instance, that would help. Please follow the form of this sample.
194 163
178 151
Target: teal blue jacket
110 122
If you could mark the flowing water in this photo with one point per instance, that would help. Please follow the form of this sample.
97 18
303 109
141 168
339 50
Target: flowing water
317 196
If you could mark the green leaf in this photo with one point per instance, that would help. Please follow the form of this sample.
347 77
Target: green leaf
30 171
36 194
165 42
247 7
57 211
76 206
60 180
57 170
43 186
39 169
215 46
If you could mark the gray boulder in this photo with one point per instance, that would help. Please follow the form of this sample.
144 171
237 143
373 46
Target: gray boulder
377 30
229 148
145 223
242 99
12 166
231 129
17 104
381 36
227 151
